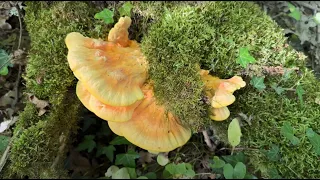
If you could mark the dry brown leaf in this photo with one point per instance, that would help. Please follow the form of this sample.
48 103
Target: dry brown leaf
7 99
40 104
145 157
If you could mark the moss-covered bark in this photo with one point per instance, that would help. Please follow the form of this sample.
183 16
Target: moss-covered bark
211 35
48 77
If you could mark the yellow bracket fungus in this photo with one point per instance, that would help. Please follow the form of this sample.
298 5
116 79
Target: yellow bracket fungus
112 84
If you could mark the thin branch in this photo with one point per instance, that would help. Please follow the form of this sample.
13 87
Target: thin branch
208 141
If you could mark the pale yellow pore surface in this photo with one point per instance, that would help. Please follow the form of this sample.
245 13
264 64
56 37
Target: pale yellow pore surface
106 112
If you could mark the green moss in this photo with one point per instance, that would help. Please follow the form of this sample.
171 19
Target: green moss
49 77
210 34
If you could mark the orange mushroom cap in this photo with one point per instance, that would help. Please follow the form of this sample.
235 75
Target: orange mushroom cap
110 72
106 112
119 33
152 127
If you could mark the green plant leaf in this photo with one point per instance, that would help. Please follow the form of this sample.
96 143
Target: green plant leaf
151 175
294 12
228 171
300 92
106 150
316 18
234 132
111 170
119 140
239 171
4 57
125 9
181 168
128 159
106 15
217 162
121 174
87 122
287 131
88 143
286 75
142 177
273 174
190 172
170 168
4 141
278 89
273 153
132 173
235 158
162 160
314 139
258 82
4 71
245 58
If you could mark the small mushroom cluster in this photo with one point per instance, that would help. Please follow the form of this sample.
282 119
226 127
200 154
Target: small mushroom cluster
220 93
113 84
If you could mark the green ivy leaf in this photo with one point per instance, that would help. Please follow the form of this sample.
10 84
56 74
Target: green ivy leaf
234 132
119 140
125 9
128 159
258 82
300 92
4 57
294 12
190 172
132 173
273 153
314 139
245 58
239 171
111 170
151 175
4 141
217 162
228 171
121 174
106 150
171 168
235 158
87 122
106 15
88 143
287 131
279 90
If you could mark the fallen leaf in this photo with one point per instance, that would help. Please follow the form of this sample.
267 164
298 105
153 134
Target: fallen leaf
6 124
145 157
40 104
7 99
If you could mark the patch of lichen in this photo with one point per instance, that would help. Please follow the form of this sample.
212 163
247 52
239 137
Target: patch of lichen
209 34
48 77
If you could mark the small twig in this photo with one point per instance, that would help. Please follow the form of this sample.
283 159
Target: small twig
208 141
238 149
301 3
5 155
